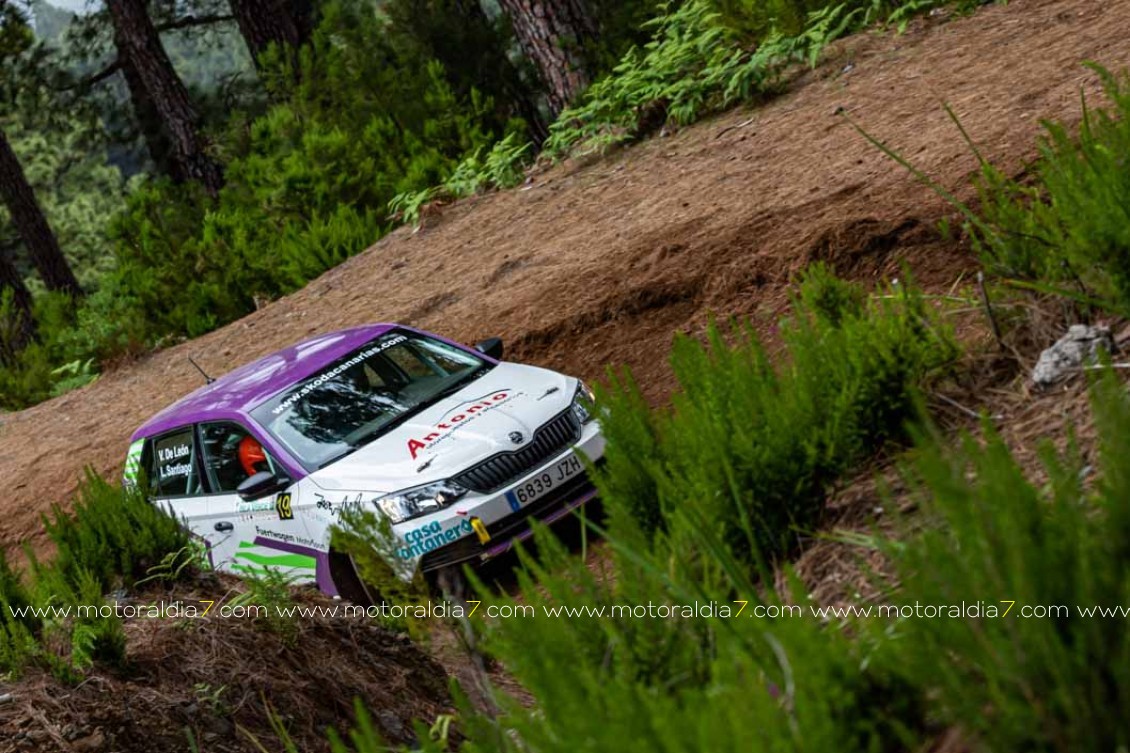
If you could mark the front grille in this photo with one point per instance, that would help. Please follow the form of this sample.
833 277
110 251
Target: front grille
498 471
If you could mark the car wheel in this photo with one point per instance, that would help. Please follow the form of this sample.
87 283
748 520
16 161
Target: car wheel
350 585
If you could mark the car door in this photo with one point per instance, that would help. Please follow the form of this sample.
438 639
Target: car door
176 483
264 532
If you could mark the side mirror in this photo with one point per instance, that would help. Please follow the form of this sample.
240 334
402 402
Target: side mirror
492 347
260 485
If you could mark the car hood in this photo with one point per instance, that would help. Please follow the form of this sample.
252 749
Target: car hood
482 419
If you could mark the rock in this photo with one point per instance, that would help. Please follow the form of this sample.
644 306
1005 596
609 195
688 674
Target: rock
1079 346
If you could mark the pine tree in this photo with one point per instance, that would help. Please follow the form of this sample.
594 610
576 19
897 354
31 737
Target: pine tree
27 216
552 34
266 22
139 46
19 332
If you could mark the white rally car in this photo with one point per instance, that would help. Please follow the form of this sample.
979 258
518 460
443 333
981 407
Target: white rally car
456 448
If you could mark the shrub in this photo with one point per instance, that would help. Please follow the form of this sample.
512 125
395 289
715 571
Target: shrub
502 167
995 537
604 680
17 640
1071 222
690 66
114 535
703 56
750 450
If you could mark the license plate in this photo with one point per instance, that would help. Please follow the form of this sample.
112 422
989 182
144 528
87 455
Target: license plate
538 486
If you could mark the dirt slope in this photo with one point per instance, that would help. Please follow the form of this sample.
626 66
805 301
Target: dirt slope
221 678
600 263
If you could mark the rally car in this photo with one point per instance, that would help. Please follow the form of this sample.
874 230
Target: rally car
457 449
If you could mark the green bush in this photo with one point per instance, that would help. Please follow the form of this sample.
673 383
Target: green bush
750 449
721 682
705 55
113 538
691 66
1066 224
503 166
114 535
998 538
17 638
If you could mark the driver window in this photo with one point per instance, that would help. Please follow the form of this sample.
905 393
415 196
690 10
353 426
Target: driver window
232 455
172 469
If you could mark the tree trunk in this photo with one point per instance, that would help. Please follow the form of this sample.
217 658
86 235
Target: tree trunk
32 226
149 125
551 34
139 45
19 333
266 22
522 100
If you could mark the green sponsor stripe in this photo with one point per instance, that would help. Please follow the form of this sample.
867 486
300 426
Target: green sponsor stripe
133 461
298 561
253 569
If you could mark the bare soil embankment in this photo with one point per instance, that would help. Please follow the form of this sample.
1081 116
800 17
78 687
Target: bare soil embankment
596 264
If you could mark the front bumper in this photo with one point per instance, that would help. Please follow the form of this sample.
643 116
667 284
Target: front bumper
459 542
516 527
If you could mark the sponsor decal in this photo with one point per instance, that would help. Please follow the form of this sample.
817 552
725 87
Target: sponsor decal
337 508
431 536
297 396
277 535
252 510
464 415
283 506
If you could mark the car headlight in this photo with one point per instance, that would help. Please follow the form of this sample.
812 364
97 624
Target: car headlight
583 400
421 500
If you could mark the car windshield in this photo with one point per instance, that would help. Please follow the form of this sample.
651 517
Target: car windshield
365 394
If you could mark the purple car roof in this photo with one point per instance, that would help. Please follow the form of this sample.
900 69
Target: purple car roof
234 394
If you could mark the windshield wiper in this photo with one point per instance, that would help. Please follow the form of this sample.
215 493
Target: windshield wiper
369 437
390 425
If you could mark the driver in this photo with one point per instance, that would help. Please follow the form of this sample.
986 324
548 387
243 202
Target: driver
251 456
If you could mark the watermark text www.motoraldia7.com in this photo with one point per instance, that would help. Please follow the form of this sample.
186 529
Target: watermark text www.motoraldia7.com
441 609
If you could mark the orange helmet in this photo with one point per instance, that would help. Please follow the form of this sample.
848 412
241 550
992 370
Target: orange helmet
251 454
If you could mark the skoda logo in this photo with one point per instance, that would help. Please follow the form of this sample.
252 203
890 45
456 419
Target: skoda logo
516 437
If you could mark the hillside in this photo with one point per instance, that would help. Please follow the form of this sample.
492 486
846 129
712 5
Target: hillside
598 263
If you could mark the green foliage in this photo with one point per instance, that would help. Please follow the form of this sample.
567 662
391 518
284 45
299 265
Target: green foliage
710 682
502 167
750 450
703 56
309 185
114 535
368 539
1070 223
268 593
76 189
1020 682
983 533
17 638
690 66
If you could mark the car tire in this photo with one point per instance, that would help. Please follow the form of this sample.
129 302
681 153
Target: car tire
349 583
